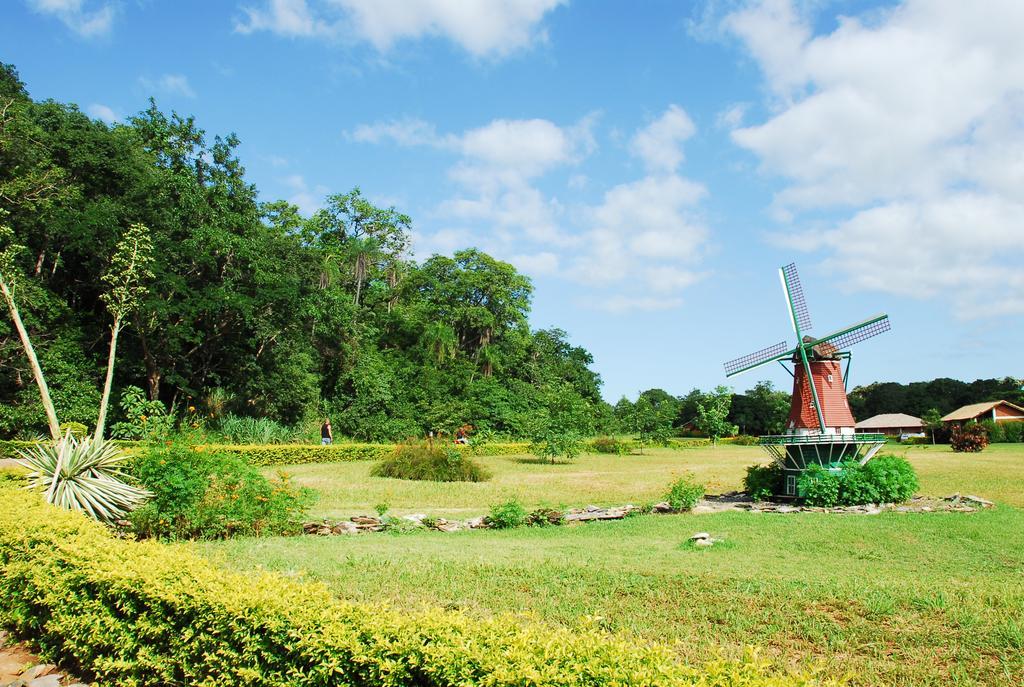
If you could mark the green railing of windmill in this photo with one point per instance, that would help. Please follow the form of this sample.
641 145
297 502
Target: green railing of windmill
793 439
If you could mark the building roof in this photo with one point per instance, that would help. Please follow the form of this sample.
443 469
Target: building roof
975 409
887 420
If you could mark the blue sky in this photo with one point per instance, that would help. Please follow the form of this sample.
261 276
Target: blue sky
649 164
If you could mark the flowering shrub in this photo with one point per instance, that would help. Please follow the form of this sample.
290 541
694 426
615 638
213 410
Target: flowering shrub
969 438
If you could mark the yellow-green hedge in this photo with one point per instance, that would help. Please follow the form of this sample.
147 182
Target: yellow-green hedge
295 454
136 614
9 449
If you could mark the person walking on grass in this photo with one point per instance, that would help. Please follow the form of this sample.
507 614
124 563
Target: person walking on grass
326 435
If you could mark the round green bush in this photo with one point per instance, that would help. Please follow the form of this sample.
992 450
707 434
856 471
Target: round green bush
819 487
77 429
893 478
432 462
611 445
763 481
507 515
886 479
684 493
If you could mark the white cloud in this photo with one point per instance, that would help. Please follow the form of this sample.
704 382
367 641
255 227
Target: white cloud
484 28
481 27
404 132
644 231
911 124
442 242
169 84
86 23
535 264
578 182
645 235
732 116
659 144
497 166
103 112
307 199
284 17
626 304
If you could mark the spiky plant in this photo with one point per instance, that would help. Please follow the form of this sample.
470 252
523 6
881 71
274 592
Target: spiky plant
84 475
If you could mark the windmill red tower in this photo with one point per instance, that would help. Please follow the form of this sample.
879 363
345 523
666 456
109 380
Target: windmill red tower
820 428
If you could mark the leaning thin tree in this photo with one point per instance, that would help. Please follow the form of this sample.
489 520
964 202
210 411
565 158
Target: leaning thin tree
9 251
127 276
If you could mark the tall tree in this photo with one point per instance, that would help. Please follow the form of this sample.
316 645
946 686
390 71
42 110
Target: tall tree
127 277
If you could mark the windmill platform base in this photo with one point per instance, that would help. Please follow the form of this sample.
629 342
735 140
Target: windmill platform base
796 452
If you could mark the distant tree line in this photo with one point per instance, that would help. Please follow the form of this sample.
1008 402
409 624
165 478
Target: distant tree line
765 410
944 395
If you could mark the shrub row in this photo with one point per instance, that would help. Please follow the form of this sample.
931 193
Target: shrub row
297 454
141 614
1004 432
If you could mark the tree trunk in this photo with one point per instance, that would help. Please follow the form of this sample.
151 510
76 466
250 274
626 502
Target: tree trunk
33 361
152 371
108 382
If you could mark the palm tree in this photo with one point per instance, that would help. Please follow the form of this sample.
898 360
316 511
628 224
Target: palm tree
365 251
440 341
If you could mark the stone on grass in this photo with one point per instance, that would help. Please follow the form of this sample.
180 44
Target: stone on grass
344 528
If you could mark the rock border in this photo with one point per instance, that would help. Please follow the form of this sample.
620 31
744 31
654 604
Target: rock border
711 503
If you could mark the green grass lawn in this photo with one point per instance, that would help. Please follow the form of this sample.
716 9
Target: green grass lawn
899 599
347 489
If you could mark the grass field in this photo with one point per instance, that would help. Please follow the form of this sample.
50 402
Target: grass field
898 599
347 489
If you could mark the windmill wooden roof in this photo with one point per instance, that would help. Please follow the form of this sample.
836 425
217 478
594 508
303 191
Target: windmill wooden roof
890 420
1003 409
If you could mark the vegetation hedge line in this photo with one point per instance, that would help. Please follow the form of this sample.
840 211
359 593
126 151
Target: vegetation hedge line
142 613
293 454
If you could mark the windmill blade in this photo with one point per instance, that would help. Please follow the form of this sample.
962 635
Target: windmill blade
766 355
844 338
795 300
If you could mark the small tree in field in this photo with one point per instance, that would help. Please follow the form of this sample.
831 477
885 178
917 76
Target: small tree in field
932 420
712 413
556 432
653 425
129 270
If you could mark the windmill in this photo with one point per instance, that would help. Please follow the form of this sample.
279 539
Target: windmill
820 428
